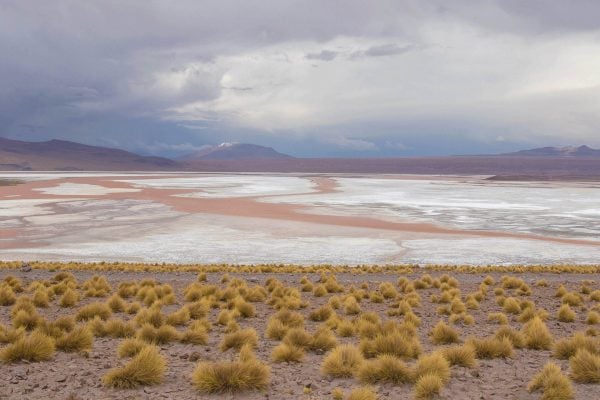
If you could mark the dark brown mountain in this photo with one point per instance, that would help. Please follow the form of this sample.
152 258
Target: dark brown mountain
235 151
63 155
570 151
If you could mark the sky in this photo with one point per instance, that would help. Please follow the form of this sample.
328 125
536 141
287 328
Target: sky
310 78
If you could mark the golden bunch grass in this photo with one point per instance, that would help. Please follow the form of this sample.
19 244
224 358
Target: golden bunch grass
197 309
385 369
195 335
245 309
298 337
130 347
461 355
511 306
593 318
146 368
27 320
566 314
323 340
552 382
321 314
428 387
236 340
442 333
514 336
565 348
179 317
7 295
434 363
92 310
117 328
342 361
162 335
116 303
231 377
362 393
498 318
351 306
537 336
585 367
69 298
285 352
34 347
289 318
491 347
395 343
345 328
572 299
78 340
152 316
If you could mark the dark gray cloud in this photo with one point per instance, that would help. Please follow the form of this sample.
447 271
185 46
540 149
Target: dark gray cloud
163 76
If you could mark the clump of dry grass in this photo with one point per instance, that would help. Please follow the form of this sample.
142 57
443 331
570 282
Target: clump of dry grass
567 347
566 314
238 339
498 318
161 335
7 295
572 299
585 367
298 337
491 347
385 369
593 318
69 298
130 347
92 310
287 353
117 328
396 343
461 355
147 367
28 320
34 347
443 334
342 361
554 385
351 306
195 335
116 303
231 377
511 306
428 386
362 393
537 336
321 314
323 340
79 339
434 363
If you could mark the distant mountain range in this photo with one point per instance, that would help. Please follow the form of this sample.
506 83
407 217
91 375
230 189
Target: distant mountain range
234 151
61 155
570 151
546 163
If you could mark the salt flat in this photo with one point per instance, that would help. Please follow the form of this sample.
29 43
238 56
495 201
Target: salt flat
226 218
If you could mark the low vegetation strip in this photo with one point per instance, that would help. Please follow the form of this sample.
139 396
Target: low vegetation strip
373 332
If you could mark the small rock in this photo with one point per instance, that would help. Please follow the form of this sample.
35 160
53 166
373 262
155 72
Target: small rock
61 379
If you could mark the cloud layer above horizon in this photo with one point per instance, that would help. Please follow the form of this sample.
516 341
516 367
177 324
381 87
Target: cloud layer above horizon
311 78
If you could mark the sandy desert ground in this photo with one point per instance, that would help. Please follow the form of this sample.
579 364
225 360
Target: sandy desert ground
302 219
417 297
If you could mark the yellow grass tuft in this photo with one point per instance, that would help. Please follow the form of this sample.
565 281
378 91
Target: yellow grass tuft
35 347
554 385
287 353
146 368
511 306
565 348
231 377
79 339
585 367
238 339
342 361
161 335
130 347
516 338
566 314
395 343
443 334
428 386
537 336
434 363
491 347
384 369
593 318
92 310
461 355
298 337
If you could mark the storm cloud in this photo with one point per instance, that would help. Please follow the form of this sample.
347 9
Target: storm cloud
308 77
